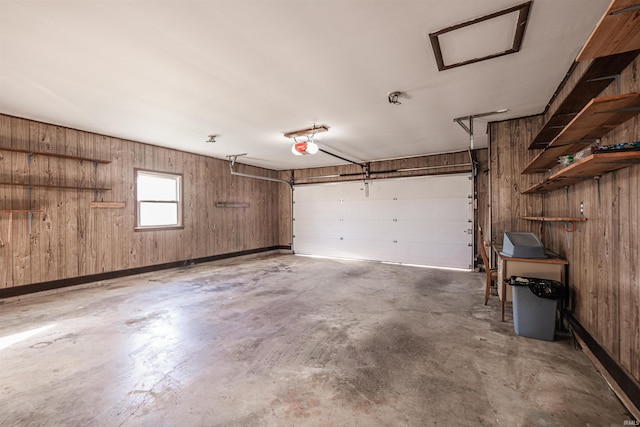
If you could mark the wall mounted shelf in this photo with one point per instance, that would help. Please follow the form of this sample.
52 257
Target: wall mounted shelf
597 118
21 210
48 154
62 187
554 219
616 32
599 74
107 205
589 167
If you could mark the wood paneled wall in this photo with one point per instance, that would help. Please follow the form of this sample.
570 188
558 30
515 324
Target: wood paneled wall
604 276
70 239
509 155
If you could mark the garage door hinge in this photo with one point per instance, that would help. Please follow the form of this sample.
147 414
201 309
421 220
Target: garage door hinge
469 231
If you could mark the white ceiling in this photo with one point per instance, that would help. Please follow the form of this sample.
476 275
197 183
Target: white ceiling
171 72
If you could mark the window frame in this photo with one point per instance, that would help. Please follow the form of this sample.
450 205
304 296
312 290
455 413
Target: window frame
180 202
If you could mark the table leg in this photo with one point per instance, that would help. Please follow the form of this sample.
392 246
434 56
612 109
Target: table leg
504 297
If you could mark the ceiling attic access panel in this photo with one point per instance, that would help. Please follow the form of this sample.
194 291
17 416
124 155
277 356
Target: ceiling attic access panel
420 220
487 37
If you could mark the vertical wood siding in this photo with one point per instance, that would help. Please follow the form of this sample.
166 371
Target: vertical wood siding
70 239
604 276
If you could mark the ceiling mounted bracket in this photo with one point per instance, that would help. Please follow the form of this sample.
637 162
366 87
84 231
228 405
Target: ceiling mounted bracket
232 159
469 129
393 97
311 131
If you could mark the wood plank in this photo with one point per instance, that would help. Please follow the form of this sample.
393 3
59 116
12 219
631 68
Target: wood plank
115 174
54 186
21 244
605 295
616 32
631 314
3 147
597 118
591 166
6 253
233 204
554 219
86 178
40 175
73 172
585 83
107 205
622 233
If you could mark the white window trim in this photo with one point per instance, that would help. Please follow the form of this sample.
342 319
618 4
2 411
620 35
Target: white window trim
179 202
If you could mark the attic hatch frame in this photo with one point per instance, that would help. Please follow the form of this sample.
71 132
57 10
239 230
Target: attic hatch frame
523 17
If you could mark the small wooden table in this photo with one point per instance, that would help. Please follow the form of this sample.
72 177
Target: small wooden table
551 268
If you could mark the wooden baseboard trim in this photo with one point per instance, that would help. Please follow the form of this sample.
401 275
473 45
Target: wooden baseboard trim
73 281
620 381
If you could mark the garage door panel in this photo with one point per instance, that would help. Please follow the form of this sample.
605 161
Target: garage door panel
361 209
319 210
370 249
439 254
363 229
430 209
412 220
441 231
439 187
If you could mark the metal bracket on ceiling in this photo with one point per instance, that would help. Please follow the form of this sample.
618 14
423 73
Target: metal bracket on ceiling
233 157
469 129
232 161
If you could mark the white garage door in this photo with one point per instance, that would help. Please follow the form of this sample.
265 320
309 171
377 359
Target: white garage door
423 220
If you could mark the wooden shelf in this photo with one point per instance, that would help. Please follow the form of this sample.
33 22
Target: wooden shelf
616 32
554 219
21 210
597 118
107 205
48 154
63 187
599 74
589 167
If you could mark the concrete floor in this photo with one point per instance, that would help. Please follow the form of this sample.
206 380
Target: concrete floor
291 341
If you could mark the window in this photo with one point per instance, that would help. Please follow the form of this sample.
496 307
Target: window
158 200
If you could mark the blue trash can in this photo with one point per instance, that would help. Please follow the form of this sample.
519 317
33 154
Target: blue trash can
535 302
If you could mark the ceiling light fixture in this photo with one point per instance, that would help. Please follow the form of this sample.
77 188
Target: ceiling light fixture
304 147
393 97
300 148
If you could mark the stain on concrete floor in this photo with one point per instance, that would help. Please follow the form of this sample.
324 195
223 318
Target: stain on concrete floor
293 341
